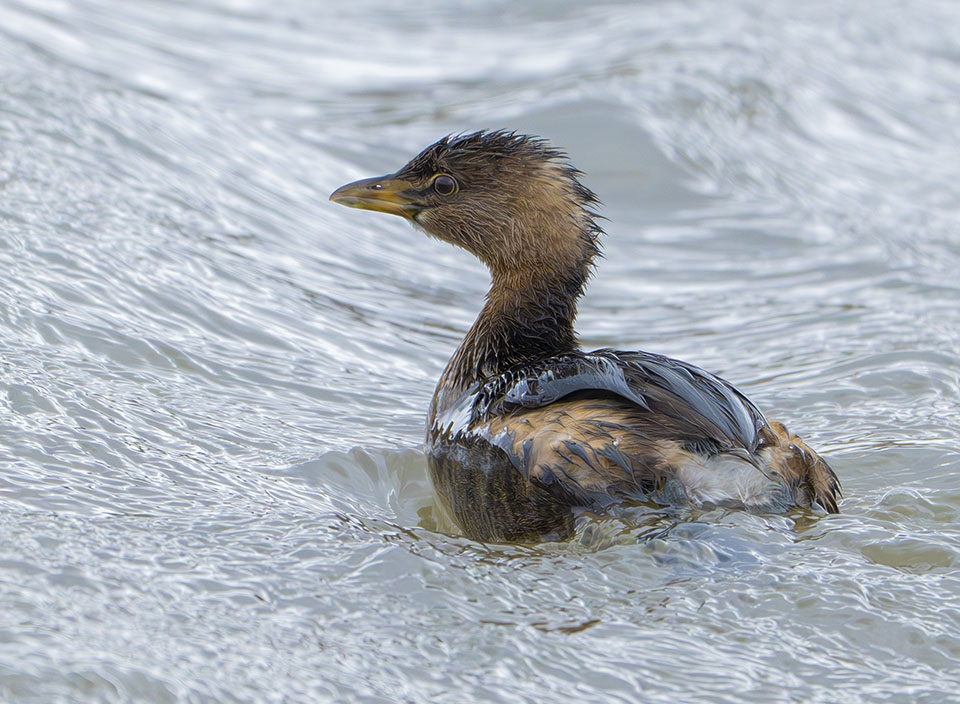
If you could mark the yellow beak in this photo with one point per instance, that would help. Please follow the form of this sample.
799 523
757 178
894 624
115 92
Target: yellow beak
385 194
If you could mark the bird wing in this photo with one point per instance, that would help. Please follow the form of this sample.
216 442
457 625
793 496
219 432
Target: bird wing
707 414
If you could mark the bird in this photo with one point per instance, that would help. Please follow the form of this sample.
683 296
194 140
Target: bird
526 431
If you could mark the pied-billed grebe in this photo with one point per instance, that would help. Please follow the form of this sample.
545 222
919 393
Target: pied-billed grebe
525 427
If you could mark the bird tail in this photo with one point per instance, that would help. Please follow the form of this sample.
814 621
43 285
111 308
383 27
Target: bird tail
813 476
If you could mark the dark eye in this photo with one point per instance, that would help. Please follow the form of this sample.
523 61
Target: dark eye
445 185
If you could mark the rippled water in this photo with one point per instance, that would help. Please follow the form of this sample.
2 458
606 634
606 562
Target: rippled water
213 382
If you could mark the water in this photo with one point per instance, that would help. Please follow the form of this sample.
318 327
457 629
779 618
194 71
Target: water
213 382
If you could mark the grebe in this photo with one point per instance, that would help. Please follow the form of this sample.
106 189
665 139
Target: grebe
525 428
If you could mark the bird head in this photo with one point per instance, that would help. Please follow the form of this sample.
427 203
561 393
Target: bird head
511 200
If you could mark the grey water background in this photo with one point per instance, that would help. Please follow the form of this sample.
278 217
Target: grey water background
213 381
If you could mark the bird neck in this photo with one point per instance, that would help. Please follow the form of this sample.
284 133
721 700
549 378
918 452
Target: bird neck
528 316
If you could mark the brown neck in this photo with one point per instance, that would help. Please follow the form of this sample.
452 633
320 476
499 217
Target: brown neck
526 318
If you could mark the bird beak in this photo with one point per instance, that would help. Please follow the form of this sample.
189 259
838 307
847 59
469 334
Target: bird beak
385 194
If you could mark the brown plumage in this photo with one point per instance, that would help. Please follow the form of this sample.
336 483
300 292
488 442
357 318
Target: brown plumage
524 427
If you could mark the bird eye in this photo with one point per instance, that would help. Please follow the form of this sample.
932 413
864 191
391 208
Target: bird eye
445 185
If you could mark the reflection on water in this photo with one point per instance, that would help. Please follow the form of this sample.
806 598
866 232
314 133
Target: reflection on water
213 382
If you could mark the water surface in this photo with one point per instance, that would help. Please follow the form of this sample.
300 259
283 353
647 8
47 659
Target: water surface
213 382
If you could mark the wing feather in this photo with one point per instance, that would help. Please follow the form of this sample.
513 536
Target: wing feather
709 413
